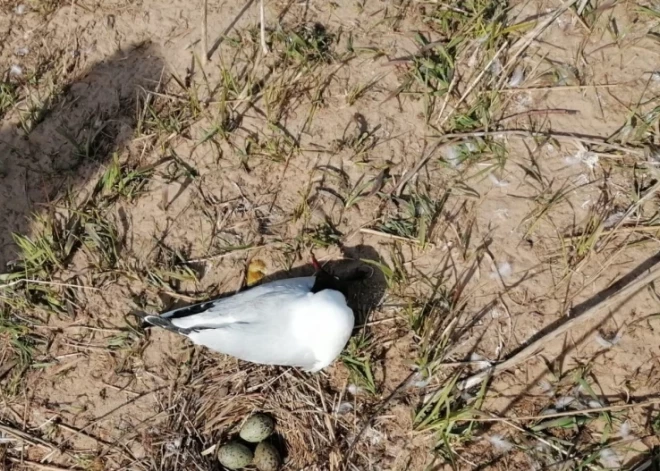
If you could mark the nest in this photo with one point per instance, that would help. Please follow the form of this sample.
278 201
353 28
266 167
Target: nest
208 407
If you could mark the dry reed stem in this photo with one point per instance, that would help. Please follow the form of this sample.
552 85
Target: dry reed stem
538 344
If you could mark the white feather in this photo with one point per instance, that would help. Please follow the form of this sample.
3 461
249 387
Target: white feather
547 388
354 389
343 408
625 430
563 402
594 404
500 444
609 459
517 77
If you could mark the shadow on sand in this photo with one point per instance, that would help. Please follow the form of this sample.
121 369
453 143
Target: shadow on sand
58 143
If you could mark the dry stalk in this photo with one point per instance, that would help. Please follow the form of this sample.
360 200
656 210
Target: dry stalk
531 349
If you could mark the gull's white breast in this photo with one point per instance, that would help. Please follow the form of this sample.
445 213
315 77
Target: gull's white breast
324 323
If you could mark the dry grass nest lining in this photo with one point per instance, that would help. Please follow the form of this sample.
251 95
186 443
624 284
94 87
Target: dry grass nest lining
211 400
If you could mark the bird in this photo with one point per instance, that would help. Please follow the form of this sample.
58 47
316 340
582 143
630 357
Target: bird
302 322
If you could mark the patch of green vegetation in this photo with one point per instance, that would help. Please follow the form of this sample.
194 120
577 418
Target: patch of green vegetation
430 72
165 117
89 145
275 146
474 28
446 414
640 127
298 76
415 218
428 321
8 97
17 336
322 235
167 271
45 251
477 115
395 274
357 359
101 238
546 201
124 180
358 91
307 45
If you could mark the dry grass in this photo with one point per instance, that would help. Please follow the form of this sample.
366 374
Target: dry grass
494 162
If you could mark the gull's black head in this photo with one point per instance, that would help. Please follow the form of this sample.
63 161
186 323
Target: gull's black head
327 280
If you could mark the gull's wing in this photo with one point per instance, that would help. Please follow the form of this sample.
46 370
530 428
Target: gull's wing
247 307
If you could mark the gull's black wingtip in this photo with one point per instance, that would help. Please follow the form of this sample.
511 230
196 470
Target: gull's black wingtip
142 318
158 321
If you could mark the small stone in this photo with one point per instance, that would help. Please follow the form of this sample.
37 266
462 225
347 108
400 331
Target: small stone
266 457
257 428
256 271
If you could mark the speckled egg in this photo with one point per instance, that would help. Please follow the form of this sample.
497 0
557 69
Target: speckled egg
257 428
266 457
234 455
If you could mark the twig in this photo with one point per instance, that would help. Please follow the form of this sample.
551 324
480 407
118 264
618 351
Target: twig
47 283
592 140
555 89
366 230
531 349
37 465
624 229
570 413
97 440
182 297
549 443
453 83
633 208
205 35
119 407
420 53
230 252
262 14
544 113
411 173
26 437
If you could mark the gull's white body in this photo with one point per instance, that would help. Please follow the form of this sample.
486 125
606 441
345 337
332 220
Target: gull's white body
277 323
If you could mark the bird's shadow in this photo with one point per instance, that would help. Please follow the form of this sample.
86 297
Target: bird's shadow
649 461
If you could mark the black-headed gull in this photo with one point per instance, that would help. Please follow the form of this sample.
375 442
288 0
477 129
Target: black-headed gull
302 322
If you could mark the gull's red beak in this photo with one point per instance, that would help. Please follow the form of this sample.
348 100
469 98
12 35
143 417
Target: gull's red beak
316 264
